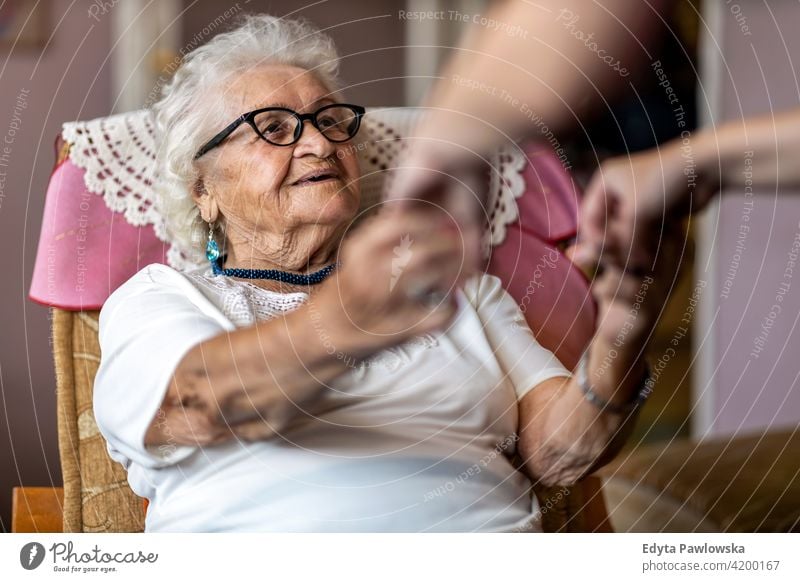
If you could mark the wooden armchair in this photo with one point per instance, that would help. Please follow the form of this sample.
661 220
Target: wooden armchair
100 203
95 496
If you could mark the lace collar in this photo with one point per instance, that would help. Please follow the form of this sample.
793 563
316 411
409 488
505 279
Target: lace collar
242 302
246 304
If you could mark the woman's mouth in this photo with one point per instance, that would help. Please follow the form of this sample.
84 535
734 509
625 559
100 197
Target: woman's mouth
317 177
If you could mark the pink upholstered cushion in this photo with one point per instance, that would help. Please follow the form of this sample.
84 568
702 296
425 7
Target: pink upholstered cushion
551 291
85 250
549 207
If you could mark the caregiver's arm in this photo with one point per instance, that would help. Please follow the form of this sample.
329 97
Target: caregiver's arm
529 68
629 194
771 142
253 382
564 436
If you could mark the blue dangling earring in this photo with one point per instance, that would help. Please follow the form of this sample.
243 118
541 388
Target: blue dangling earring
212 249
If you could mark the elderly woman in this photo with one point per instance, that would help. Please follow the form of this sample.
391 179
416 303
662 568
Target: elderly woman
302 381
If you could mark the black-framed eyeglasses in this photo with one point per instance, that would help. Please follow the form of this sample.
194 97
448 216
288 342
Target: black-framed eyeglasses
279 126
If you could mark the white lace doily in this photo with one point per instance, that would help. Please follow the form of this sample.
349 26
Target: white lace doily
119 156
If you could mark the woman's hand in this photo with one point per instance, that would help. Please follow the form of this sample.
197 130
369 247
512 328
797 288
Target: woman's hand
388 266
629 303
630 300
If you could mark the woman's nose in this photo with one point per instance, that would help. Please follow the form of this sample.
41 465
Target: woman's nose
313 142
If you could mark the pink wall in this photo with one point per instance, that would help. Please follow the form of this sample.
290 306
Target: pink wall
757 388
68 80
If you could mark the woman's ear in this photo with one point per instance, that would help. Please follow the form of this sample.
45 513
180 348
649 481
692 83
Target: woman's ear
206 201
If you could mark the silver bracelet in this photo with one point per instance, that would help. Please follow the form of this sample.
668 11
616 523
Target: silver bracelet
603 404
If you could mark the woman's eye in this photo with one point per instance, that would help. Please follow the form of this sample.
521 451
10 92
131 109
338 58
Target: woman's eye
275 128
274 125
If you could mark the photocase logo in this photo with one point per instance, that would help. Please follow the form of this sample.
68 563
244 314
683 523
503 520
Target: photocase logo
402 255
31 555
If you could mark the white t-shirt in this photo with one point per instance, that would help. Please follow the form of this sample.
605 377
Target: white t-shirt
423 444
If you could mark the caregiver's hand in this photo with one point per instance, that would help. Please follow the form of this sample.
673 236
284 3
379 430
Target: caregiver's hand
457 190
628 200
380 294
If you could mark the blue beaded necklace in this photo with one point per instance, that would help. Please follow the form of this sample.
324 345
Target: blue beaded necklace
214 257
274 274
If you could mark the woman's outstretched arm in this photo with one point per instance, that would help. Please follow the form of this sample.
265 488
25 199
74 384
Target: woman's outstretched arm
564 435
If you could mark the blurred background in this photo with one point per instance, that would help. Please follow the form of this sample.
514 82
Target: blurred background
80 59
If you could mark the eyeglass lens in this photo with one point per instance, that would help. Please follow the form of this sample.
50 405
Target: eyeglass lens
282 128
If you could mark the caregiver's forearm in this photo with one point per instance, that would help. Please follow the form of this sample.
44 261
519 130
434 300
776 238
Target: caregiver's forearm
758 151
563 436
533 67
273 373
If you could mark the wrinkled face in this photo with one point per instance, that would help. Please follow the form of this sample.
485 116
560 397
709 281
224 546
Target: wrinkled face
267 193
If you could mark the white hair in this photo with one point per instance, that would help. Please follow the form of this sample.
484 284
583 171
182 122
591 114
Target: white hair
186 117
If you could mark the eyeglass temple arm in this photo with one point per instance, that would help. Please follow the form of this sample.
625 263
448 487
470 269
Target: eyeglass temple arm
217 139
